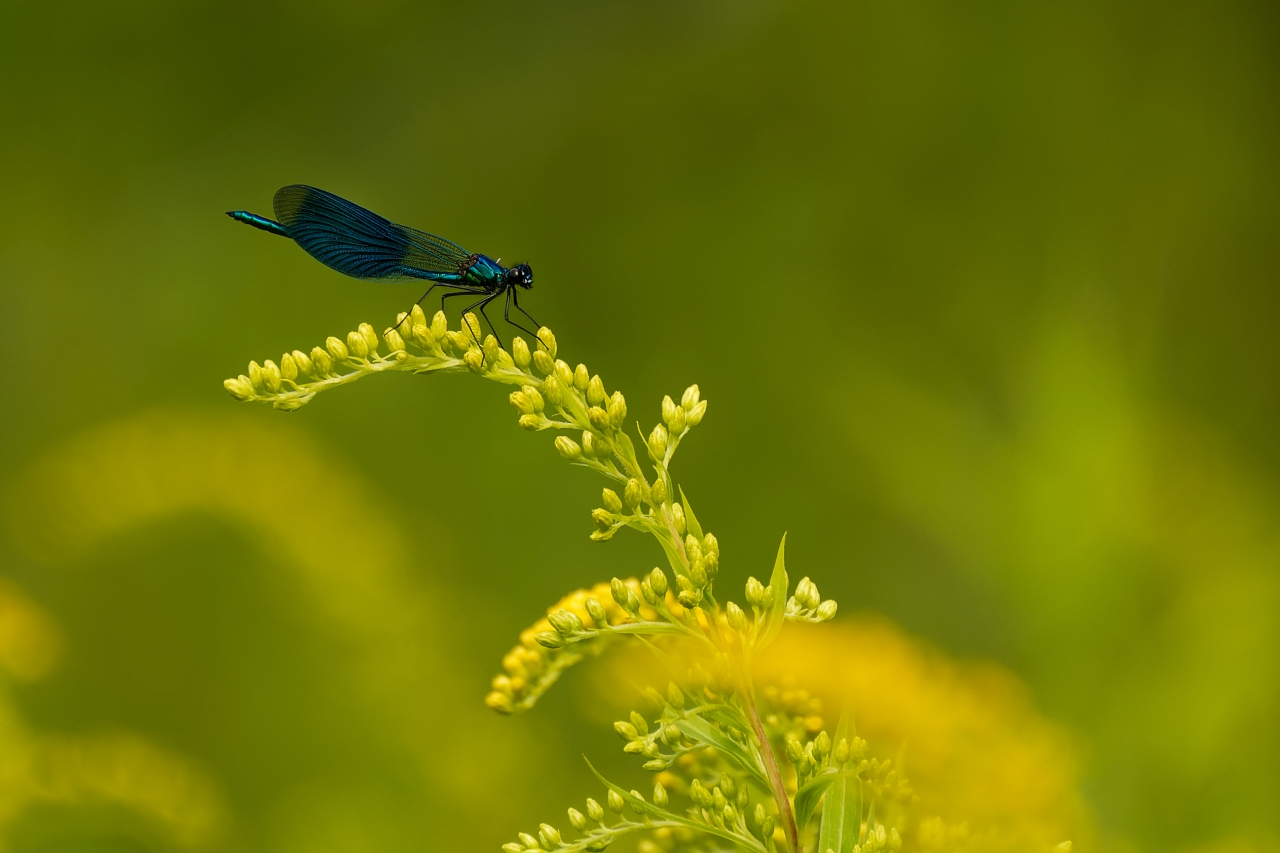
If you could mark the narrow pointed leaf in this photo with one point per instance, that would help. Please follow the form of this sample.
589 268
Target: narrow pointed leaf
777 611
841 807
673 556
702 731
690 520
807 798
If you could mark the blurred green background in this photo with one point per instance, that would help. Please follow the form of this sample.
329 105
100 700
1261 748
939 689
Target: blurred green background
983 297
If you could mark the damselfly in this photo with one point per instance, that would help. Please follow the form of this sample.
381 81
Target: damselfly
360 243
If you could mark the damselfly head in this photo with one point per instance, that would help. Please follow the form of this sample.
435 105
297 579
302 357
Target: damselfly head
522 275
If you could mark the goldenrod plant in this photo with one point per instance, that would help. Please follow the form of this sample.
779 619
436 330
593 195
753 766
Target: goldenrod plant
736 765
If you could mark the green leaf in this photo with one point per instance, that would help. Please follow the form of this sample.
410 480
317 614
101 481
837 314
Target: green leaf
806 799
841 808
777 612
673 556
704 732
690 520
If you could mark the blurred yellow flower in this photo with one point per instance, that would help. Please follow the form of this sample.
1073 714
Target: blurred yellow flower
121 770
989 770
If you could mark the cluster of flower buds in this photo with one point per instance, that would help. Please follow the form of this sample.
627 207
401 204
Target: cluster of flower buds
881 781
877 840
792 710
806 605
724 806
597 835
759 596
649 743
703 555
677 419
286 384
545 647
299 375
818 754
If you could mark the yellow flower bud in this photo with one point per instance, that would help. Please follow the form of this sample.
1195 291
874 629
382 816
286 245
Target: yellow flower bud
255 376
240 388
460 341
547 341
659 795
602 518
370 338
658 580
696 413
491 348
521 402
616 802
439 324
597 612
566 622
358 346
303 361
611 501
690 397
568 448
589 445
827 610
530 422
807 594
520 353
595 391
594 811
474 359
658 442
395 342
736 616
535 398
271 376
549 640
422 336
617 409
543 363
320 358
659 492
471 326
552 391
499 702
755 592
564 373
577 820
677 423
288 367
633 493
599 418
581 378
337 349
668 410
677 517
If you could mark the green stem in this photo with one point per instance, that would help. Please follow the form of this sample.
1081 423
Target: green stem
771 767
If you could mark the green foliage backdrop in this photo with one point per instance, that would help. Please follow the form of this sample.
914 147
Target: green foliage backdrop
985 297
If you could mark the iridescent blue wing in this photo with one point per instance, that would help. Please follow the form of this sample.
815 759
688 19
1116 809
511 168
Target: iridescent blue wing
360 243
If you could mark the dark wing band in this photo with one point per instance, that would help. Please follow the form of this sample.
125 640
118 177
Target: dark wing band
360 243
